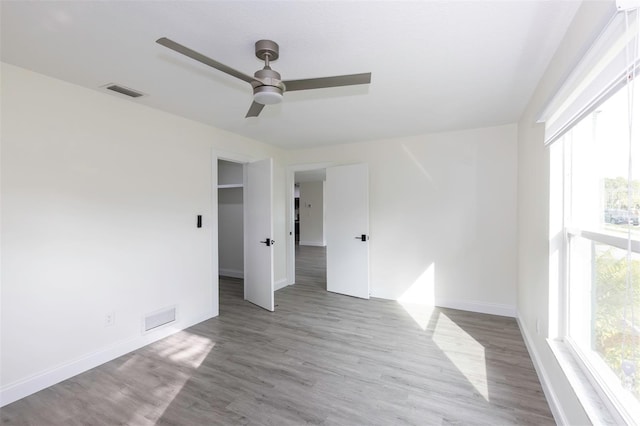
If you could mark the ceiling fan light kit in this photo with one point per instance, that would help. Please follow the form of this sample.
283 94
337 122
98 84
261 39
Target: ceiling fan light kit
267 95
268 87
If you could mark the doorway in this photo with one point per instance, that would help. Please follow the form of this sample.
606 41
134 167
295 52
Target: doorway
230 233
244 229
310 242
345 227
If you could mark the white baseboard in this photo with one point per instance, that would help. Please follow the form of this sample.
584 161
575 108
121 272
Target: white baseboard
25 387
233 273
554 404
280 284
388 295
480 307
463 305
312 243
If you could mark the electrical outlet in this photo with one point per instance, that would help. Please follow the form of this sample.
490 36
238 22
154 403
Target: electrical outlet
109 319
538 326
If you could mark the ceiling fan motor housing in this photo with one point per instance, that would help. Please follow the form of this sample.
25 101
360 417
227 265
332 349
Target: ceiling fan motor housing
271 91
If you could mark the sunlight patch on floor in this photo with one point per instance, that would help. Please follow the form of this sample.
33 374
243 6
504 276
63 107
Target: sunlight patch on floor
466 353
187 351
418 300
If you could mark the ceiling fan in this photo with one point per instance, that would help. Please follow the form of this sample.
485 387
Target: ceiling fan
268 87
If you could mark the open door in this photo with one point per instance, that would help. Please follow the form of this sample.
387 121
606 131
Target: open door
347 230
258 266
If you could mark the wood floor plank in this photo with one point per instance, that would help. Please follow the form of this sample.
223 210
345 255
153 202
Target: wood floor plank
320 358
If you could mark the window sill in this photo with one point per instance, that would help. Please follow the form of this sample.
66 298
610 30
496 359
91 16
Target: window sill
594 405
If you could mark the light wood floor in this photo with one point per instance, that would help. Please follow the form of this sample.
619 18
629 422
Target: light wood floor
320 358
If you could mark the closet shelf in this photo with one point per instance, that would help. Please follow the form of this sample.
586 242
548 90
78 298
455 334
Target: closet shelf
230 185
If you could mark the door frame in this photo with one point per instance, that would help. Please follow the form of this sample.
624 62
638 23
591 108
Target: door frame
236 157
291 215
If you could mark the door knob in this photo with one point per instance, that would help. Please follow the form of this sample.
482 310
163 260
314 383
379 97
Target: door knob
363 237
269 242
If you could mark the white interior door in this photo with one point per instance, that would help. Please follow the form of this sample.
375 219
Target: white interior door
258 243
347 230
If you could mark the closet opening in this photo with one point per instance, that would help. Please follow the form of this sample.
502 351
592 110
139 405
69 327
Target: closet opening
230 233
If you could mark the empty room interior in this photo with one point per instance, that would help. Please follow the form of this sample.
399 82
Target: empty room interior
337 213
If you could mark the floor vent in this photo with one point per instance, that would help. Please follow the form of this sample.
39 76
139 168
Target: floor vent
160 318
124 90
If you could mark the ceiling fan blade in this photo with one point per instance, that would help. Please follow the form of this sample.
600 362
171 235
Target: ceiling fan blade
204 59
320 83
254 110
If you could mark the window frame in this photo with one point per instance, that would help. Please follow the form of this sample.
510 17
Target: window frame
597 372
608 66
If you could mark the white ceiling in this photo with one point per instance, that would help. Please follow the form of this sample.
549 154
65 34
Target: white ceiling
436 65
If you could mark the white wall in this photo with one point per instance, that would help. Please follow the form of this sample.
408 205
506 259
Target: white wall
537 264
312 214
443 212
99 204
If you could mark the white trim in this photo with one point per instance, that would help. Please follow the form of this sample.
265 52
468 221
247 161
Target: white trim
25 387
213 233
280 284
387 295
554 403
290 230
595 407
609 239
312 243
233 273
596 370
235 157
462 305
603 68
477 306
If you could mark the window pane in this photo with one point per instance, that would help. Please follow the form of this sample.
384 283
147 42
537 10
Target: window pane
605 309
616 318
598 171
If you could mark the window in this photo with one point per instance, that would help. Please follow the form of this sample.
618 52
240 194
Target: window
597 129
602 207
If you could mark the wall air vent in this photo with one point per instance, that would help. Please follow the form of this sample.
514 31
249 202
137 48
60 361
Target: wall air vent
159 318
124 90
